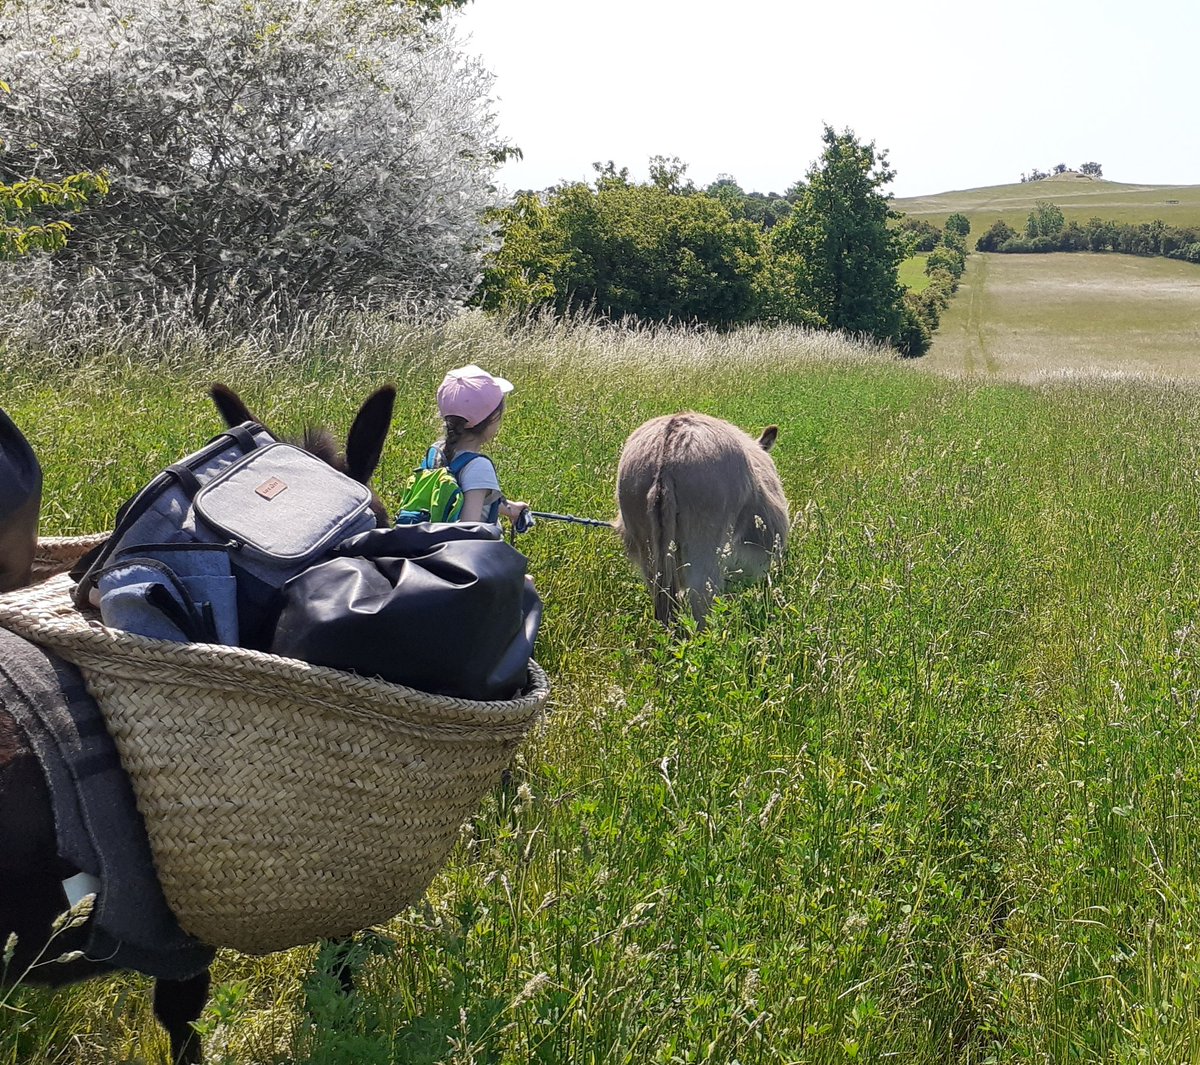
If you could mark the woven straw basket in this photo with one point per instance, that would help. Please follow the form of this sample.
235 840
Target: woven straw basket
284 802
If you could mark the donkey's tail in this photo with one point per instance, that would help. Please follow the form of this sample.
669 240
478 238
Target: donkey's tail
664 549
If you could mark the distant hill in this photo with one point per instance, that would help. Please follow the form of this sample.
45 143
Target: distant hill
1080 197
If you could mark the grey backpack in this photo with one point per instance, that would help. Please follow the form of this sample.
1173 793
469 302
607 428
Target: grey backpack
273 507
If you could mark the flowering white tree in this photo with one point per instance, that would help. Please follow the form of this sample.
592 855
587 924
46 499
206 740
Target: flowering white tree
281 153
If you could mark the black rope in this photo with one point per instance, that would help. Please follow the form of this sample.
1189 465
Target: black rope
572 519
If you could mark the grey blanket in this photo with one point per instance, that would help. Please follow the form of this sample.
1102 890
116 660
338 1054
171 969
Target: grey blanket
96 818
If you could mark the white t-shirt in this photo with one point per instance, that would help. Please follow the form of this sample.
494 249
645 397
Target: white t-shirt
478 473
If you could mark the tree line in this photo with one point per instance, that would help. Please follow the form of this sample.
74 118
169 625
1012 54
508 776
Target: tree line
1046 230
823 254
235 159
1091 169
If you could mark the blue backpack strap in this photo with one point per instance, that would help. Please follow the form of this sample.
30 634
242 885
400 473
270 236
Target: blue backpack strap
460 461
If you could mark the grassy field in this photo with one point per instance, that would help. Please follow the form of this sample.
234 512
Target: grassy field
912 273
1024 317
930 795
1080 199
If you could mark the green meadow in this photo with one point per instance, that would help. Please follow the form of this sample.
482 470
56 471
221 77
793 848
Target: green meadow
912 273
1080 199
930 794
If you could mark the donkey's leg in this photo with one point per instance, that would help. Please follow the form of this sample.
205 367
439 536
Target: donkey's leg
701 574
176 1004
703 584
341 964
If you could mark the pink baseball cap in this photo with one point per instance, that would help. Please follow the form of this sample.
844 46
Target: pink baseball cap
471 394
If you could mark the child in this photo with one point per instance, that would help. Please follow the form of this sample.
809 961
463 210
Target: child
471 402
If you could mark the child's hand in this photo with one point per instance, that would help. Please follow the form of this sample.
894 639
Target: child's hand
518 513
524 521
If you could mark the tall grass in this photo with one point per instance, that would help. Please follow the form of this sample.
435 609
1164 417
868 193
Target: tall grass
930 794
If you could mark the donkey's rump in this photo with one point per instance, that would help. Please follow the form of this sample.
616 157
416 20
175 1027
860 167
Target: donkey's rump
701 506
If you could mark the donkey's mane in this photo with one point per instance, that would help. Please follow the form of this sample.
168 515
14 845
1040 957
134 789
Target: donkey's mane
320 442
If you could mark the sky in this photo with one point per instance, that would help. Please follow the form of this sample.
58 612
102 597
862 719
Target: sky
960 94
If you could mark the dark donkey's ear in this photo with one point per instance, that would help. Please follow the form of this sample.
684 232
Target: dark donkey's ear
230 405
368 434
767 440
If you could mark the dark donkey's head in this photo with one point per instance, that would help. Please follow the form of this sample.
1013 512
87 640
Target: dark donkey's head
364 441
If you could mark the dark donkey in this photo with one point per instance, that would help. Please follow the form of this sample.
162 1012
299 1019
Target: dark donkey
31 872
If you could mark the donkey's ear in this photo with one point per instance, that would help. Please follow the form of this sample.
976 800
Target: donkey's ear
767 440
364 442
230 405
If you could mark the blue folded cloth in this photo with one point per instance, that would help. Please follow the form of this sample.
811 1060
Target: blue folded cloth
180 592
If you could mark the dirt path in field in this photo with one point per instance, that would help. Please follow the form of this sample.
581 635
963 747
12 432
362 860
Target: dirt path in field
978 358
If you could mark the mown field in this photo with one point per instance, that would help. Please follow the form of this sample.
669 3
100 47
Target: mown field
930 795
1024 317
1080 199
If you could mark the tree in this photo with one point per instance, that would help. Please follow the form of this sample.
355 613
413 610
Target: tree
1045 220
1091 169
608 175
667 174
430 9
919 234
767 209
625 249
1060 168
959 223
837 244
999 232
22 204
259 155
521 271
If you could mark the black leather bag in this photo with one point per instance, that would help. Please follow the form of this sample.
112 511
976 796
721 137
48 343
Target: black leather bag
445 608
20 501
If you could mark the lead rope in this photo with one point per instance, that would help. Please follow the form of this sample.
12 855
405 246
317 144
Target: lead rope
547 516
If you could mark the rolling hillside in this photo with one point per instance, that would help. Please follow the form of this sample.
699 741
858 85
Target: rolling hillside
1079 197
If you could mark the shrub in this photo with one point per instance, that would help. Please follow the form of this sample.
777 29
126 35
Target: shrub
998 234
943 258
1189 253
627 250
286 155
919 235
1029 244
915 334
1073 238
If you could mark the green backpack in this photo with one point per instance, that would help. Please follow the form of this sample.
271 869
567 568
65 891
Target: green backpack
432 493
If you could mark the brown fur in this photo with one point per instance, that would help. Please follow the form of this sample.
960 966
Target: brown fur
701 509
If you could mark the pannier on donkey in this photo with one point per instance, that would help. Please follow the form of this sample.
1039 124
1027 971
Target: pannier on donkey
182 794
